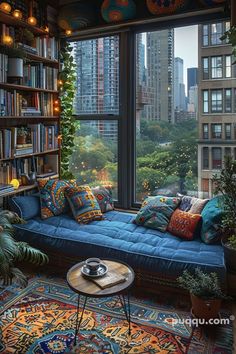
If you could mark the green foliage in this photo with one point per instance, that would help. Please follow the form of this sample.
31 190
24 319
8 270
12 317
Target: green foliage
12 251
231 242
225 184
12 52
67 91
203 285
230 37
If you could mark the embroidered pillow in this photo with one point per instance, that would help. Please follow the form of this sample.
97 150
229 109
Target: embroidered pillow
52 197
184 224
83 204
197 205
211 220
104 198
155 212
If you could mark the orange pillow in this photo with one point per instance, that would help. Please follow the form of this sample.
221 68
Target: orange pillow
183 224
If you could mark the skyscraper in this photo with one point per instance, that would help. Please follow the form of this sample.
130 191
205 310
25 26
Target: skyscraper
192 77
179 87
160 75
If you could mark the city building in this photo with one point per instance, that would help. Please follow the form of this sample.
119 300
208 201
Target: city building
192 78
179 87
217 104
160 75
193 101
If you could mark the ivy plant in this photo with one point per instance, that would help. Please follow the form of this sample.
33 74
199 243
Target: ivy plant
230 37
67 80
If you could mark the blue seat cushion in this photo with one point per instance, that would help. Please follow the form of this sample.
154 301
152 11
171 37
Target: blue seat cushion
118 237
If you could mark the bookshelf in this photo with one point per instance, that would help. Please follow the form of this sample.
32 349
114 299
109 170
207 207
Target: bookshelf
29 107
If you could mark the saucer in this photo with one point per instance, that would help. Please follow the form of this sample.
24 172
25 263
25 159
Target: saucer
102 270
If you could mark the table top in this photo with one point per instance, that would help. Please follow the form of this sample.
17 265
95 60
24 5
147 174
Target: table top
84 286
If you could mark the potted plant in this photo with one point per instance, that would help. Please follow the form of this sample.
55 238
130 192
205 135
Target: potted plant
206 294
21 135
225 184
15 66
12 251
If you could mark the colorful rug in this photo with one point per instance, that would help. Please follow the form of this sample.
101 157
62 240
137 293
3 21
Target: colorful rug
41 318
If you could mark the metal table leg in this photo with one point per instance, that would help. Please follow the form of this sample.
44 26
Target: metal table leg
78 321
126 307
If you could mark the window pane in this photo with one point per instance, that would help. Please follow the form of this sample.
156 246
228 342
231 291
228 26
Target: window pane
205 35
97 66
216 67
205 101
216 101
94 160
216 33
216 131
205 131
205 160
166 133
205 68
228 131
228 100
216 158
228 71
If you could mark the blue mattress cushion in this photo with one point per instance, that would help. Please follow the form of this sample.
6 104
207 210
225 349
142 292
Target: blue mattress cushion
117 237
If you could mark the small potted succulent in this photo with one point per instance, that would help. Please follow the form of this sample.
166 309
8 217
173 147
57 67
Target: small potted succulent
225 184
206 294
22 133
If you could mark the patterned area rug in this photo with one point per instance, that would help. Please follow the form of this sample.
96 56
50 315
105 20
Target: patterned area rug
41 318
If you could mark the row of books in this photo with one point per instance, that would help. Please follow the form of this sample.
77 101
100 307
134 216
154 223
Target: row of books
43 167
14 103
47 47
3 67
38 138
40 76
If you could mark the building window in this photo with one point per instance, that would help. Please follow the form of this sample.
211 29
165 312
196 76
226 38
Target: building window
205 32
205 64
227 151
216 131
216 67
205 101
228 131
228 100
205 185
216 101
228 68
216 33
205 158
216 158
205 131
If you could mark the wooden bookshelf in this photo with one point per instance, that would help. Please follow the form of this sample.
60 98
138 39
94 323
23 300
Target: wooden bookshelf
25 88
37 58
8 19
19 190
51 151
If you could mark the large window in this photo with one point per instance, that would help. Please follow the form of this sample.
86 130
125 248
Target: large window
95 157
216 67
205 101
216 33
228 63
205 160
228 100
216 131
216 101
205 131
205 63
228 131
216 158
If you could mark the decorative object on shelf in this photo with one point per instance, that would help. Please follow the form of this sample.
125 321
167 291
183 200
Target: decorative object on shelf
31 19
16 58
12 251
5 7
66 82
17 14
21 135
76 16
118 10
165 7
212 2
15 183
206 294
230 37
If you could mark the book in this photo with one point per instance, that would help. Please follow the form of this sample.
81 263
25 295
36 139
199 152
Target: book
108 280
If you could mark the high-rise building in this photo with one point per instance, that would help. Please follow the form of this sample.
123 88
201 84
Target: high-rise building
192 77
97 91
160 75
179 87
217 103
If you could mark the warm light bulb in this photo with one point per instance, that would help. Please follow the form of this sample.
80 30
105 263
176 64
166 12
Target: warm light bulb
46 29
56 109
56 102
60 82
17 14
5 7
32 20
15 183
68 32
7 40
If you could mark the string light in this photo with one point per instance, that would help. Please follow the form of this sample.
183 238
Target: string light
17 14
68 32
32 21
7 40
5 7
60 82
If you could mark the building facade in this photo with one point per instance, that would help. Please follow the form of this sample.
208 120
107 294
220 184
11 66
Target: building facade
192 77
179 87
217 104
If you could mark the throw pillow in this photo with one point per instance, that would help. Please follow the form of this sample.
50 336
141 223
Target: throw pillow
26 206
104 198
52 197
155 212
197 205
83 204
211 220
184 224
185 204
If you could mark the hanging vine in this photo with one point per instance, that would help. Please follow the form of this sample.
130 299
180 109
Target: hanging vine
230 37
67 80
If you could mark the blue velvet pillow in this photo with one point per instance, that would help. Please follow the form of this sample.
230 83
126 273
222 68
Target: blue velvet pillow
211 220
27 207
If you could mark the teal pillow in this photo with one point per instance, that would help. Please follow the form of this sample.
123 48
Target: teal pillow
211 220
156 212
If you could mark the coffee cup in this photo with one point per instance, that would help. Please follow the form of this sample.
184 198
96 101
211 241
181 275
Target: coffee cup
93 264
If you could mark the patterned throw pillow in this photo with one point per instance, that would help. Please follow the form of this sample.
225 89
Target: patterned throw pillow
83 204
52 197
197 205
183 224
211 220
155 212
104 198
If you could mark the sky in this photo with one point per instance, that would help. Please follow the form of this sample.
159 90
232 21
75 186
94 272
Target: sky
186 47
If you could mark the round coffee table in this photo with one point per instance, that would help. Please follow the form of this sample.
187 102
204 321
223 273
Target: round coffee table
84 286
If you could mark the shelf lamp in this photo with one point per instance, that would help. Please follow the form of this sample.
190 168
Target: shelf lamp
17 14
7 40
5 7
31 19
